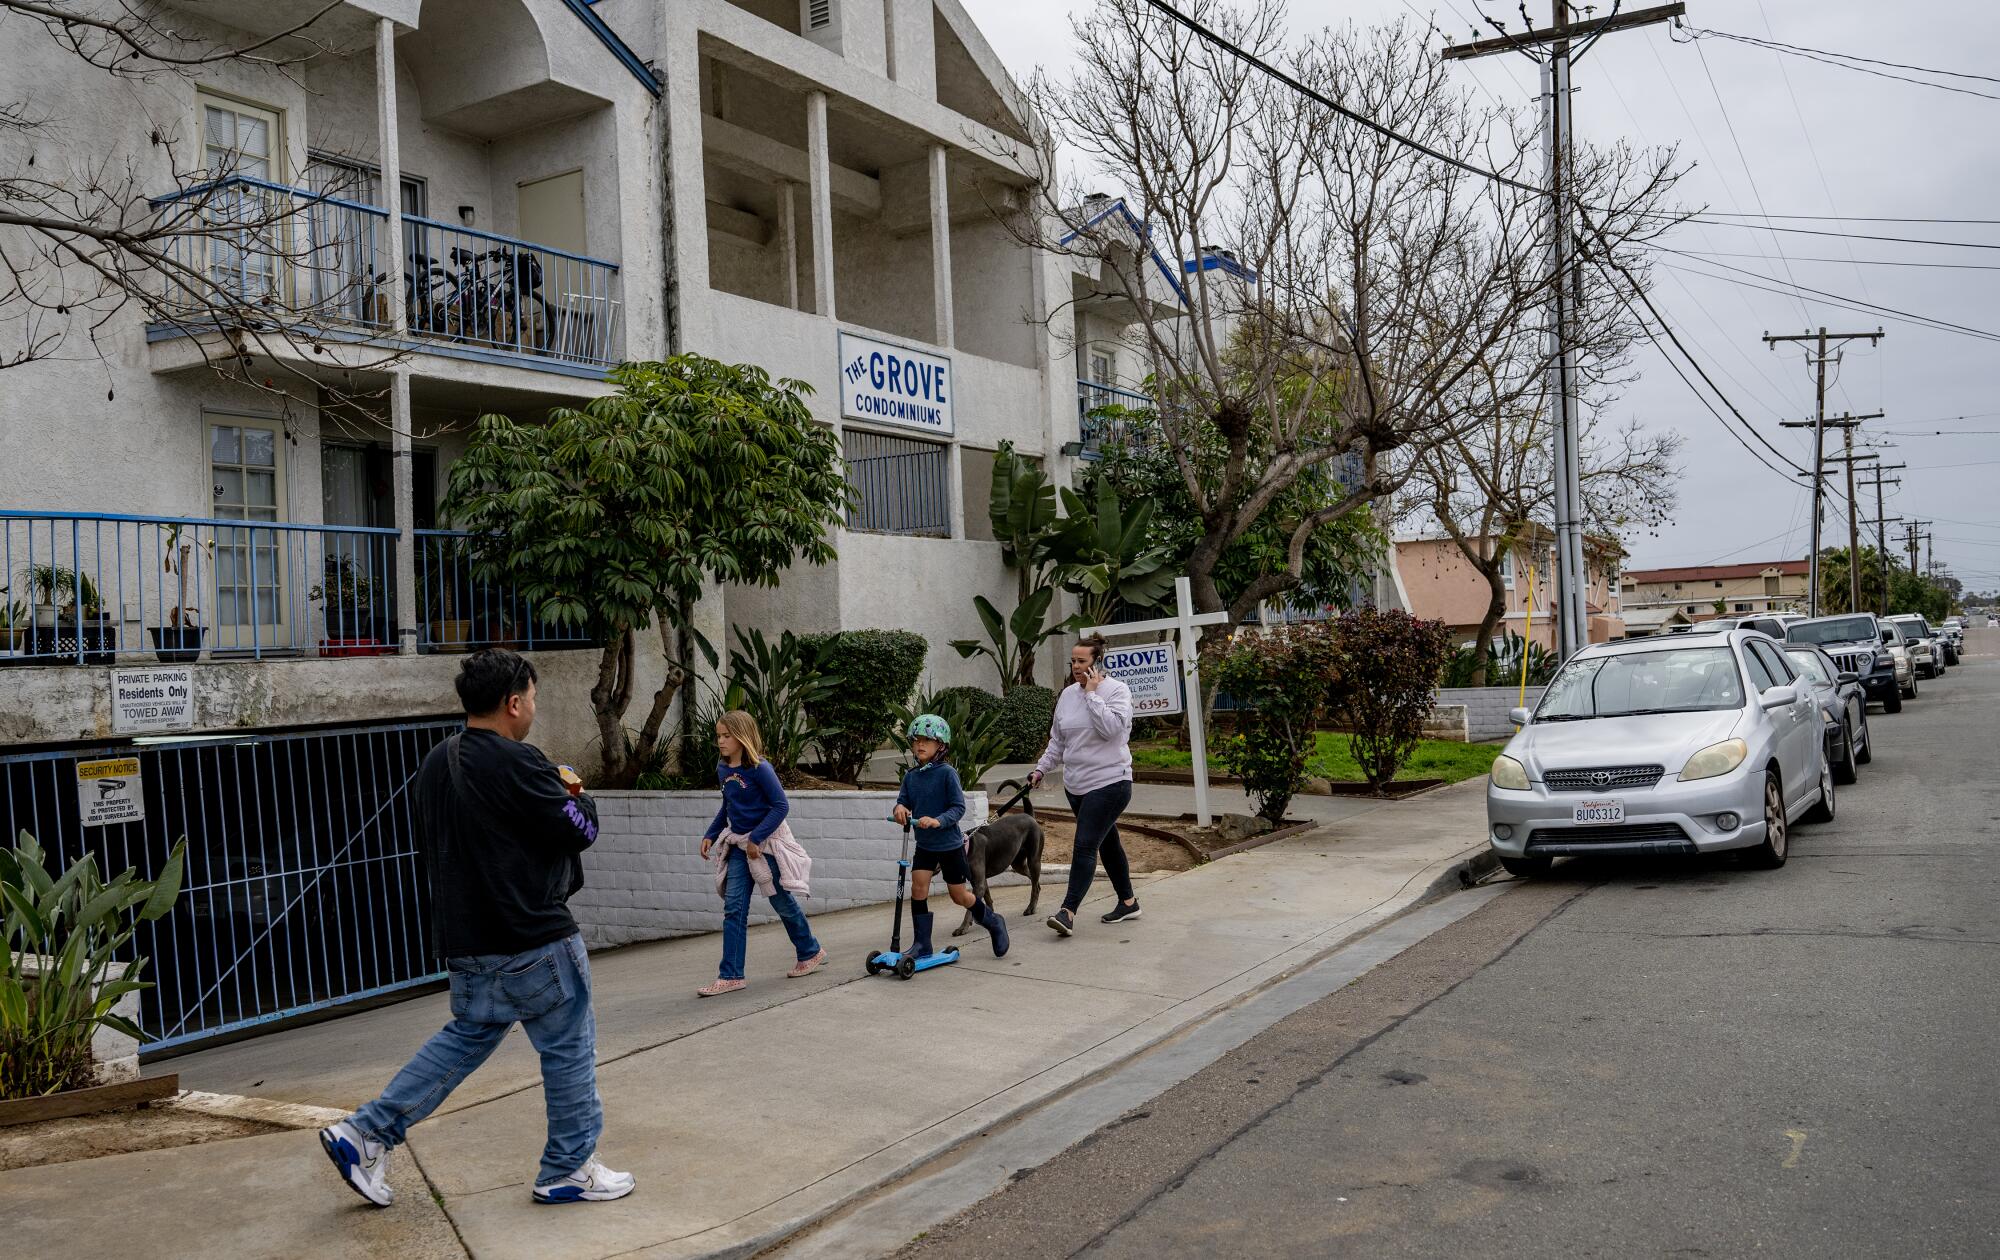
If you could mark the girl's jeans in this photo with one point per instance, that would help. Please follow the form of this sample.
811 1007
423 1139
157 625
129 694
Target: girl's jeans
547 991
736 889
1097 836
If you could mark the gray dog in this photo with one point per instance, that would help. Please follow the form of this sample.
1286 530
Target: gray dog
1012 842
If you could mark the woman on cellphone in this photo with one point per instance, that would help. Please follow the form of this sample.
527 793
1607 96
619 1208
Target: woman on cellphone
1090 739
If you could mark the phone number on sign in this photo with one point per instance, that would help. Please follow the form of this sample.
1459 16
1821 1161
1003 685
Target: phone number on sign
1155 704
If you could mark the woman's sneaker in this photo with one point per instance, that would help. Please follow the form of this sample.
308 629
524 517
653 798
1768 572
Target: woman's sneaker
592 1183
1121 912
1063 922
363 1162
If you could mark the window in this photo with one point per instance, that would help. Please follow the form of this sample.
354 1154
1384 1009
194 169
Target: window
1774 664
241 139
342 252
904 485
1103 368
1741 607
1760 671
1771 584
1718 586
246 140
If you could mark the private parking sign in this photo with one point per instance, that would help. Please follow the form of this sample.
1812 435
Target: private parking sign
108 792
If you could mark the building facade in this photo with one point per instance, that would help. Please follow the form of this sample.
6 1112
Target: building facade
1440 583
1702 592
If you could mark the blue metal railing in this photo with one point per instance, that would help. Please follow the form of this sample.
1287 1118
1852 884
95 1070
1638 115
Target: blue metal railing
86 588
459 612
903 486
240 242
1099 430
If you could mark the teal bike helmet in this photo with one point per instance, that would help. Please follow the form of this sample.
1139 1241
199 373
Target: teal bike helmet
931 726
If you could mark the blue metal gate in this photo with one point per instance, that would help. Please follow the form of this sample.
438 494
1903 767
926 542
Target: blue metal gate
304 888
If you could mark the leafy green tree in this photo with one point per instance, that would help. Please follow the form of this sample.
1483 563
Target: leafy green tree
1279 682
1387 685
610 518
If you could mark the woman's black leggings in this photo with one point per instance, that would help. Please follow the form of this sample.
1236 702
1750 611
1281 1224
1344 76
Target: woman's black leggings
1097 836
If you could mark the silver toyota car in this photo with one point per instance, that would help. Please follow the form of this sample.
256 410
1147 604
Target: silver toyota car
1683 744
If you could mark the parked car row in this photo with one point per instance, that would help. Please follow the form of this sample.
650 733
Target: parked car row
1715 740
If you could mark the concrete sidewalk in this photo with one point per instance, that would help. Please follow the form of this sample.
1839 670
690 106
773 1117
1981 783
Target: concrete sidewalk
748 1116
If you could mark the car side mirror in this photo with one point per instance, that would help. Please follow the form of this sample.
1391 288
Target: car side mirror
1848 676
1520 717
1779 697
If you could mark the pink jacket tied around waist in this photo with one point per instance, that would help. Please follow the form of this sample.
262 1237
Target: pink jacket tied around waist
794 867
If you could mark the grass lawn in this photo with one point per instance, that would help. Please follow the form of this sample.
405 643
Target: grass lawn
1432 759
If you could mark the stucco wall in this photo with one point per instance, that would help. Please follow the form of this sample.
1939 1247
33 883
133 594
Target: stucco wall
645 879
993 293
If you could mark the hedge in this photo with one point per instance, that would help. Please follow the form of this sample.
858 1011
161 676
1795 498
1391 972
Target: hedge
874 673
1025 716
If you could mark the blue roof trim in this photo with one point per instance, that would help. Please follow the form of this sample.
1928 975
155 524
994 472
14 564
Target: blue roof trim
619 49
1139 229
1216 262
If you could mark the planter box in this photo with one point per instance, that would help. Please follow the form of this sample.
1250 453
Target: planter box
114 1056
644 878
355 647
55 644
177 645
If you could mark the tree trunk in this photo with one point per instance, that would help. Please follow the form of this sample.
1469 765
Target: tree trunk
1496 609
609 699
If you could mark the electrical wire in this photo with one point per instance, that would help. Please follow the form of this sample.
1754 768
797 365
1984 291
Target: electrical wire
1845 262
1842 61
1702 217
1847 303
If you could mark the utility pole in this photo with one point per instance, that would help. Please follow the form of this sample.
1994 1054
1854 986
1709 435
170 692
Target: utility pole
1571 580
1819 362
1881 524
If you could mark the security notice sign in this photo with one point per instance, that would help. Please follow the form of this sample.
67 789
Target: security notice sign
884 383
108 792
148 701
1149 670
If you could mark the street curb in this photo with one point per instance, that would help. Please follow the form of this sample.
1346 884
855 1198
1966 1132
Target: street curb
261 1110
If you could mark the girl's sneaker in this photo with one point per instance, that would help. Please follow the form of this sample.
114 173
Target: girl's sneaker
1063 922
592 1183
718 988
1120 912
363 1162
807 966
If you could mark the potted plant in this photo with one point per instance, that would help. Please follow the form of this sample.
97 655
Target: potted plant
68 616
179 640
352 625
13 631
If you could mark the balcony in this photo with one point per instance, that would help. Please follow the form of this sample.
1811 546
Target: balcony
239 247
97 588
1108 415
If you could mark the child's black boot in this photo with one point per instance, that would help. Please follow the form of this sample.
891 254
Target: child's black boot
920 928
995 923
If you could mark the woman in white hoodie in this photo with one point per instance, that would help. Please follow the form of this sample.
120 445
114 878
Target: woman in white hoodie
1091 740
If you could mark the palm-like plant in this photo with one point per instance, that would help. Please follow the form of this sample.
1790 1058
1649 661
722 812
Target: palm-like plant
1108 559
978 741
775 680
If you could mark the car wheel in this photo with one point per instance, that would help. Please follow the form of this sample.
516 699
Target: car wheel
1822 810
1770 855
1843 766
1893 702
1867 753
1910 692
1527 867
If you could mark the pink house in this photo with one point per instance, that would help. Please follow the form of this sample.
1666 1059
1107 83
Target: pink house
1441 583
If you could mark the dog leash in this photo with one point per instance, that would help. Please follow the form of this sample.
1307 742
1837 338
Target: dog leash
1016 799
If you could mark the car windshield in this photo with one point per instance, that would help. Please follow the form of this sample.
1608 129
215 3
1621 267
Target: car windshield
1837 630
1809 663
1913 626
1673 680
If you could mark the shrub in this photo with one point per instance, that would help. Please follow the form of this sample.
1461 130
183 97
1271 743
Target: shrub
1025 715
81 928
977 700
977 742
776 682
1387 684
1279 682
871 672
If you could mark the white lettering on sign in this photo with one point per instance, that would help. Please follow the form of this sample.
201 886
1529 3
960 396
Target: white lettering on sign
1149 670
147 701
109 791
883 383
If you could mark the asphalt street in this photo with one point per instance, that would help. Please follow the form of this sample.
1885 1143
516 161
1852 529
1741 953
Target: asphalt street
1669 1059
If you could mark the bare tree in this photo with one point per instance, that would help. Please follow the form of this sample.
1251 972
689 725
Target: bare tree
1369 281
252 275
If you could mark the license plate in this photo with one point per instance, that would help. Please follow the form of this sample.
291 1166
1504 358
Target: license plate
1599 812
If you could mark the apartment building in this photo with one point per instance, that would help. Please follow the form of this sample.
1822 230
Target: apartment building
1701 592
1440 583
240 595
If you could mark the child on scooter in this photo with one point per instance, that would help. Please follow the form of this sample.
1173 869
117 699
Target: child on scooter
932 795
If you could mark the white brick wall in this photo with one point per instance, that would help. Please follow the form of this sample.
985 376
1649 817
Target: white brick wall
644 877
1486 708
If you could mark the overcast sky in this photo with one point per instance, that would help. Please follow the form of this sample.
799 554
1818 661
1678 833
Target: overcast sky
1814 140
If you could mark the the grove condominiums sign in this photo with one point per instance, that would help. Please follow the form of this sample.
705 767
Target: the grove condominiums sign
882 383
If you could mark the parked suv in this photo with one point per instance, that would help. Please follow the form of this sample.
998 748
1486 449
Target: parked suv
1926 649
1855 643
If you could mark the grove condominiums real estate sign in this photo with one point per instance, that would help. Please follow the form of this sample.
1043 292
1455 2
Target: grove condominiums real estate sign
1150 671
149 701
884 383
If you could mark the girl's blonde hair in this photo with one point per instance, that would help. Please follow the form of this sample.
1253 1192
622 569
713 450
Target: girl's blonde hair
744 727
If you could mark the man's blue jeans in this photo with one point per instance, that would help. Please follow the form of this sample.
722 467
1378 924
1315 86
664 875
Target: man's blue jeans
547 991
736 888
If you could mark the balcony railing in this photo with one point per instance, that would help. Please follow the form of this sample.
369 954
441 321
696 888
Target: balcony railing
1099 424
90 588
321 259
457 611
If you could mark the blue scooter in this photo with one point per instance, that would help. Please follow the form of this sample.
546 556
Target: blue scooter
894 960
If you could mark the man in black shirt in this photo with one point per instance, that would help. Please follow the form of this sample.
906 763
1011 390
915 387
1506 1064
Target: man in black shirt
503 832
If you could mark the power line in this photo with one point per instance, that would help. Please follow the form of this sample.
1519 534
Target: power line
1755 192
1837 299
1843 61
1701 217
1843 218
1857 262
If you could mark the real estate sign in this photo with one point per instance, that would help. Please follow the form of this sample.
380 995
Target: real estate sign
884 383
1151 671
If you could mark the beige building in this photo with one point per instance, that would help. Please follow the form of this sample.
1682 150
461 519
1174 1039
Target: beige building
1440 583
1700 592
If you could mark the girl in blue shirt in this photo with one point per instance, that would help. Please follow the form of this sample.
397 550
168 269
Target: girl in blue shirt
754 809
932 794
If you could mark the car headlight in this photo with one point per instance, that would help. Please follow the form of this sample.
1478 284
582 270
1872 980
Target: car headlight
1716 759
1509 773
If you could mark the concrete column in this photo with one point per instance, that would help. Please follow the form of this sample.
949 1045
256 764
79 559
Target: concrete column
392 182
822 204
402 475
788 225
941 245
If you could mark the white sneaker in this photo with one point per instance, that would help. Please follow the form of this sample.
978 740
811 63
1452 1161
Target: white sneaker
592 1183
362 1161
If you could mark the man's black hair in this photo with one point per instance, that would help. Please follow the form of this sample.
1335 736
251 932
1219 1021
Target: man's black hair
489 677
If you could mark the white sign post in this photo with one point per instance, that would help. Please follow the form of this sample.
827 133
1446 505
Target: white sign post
147 701
1186 625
